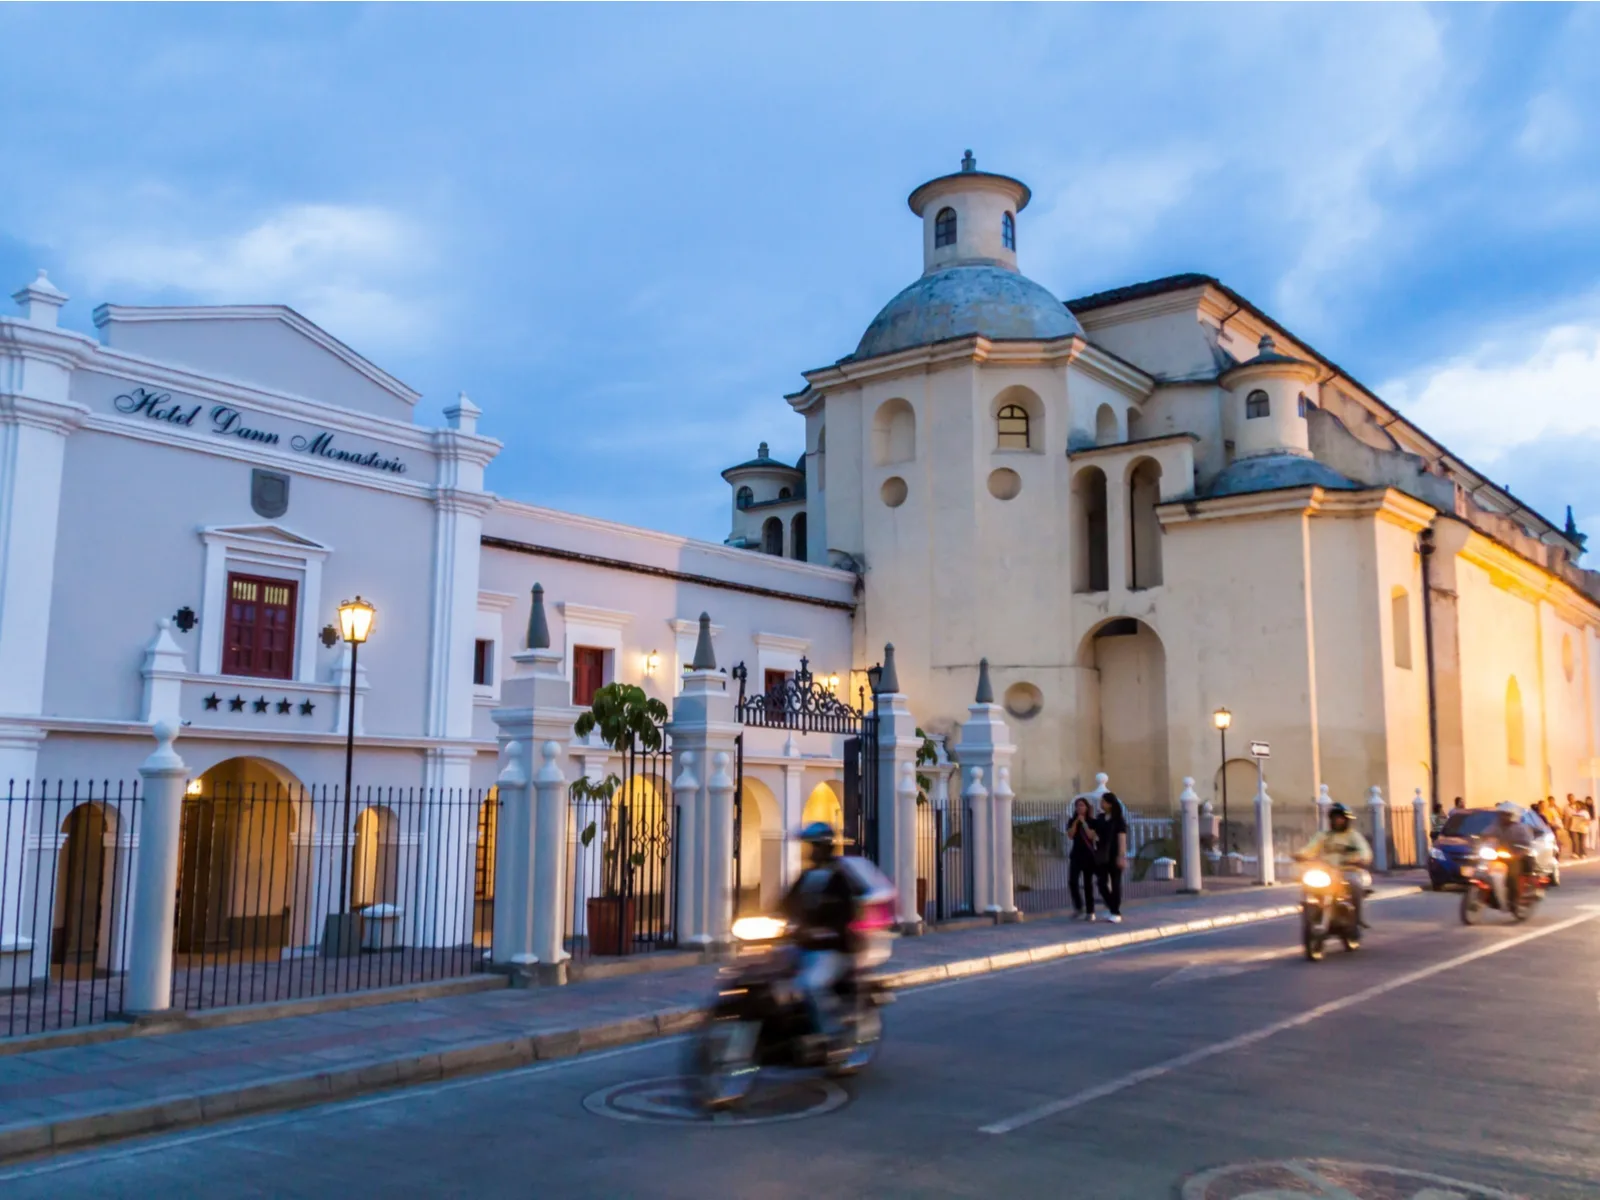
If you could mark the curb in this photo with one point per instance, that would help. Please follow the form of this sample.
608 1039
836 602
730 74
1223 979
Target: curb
479 1058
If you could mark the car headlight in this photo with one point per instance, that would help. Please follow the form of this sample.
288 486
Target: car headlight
1487 853
1438 854
1317 878
758 929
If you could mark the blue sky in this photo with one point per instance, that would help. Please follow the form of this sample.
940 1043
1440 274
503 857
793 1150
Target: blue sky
624 231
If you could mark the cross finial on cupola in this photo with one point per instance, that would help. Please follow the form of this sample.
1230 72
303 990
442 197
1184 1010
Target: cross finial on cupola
968 163
1266 345
762 451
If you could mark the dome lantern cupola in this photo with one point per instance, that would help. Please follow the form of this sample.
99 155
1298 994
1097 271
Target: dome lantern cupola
969 218
1268 399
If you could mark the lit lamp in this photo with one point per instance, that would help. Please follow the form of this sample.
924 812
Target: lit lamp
341 934
1222 718
193 789
652 662
833 683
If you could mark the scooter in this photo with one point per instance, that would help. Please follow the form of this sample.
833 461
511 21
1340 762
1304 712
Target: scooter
761 1019
1486 877
1327 909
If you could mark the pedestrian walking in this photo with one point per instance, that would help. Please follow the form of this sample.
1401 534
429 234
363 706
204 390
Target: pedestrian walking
1558 826
1435 821
1081 867
1111 853
1457 808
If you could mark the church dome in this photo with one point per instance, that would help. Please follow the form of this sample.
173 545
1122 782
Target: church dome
961 301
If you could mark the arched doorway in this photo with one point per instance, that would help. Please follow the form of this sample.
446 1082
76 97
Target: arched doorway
1242 780
797 537
772 537
243 877
80 941
483 874
824 804
1127 667
375 858
760 848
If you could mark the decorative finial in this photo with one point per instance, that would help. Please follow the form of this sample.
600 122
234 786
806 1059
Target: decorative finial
762 452
985 688
968 163
1266 345
538 627
705 658
889 681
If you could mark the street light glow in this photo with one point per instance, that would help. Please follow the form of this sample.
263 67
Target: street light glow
355 620
1222 718
652 661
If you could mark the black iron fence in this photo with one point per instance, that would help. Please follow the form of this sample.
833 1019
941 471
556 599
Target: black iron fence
1041 864
622 863
65 900
283 892
944 862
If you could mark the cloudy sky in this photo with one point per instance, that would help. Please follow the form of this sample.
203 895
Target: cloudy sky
625 231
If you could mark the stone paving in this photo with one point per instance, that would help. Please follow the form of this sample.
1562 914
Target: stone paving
72 1095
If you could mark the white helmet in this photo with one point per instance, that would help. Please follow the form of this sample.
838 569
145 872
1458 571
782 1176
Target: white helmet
1507 806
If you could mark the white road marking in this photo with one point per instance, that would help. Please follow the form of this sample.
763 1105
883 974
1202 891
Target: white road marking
157 1143
1134 1078
1199 972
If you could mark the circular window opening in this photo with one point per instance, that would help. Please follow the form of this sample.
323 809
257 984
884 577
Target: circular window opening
893 491
1004 484
1569 660
1024 701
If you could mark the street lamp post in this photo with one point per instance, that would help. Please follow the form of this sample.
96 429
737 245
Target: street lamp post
1222 718
340 937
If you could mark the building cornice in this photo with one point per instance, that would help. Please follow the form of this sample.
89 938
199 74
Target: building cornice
781 643
288 738
604 618
1160 305
53 416
1116 448
496 601
1510 570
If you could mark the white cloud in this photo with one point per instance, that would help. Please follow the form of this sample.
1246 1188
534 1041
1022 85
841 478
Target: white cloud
1512 391
1552 127
344 266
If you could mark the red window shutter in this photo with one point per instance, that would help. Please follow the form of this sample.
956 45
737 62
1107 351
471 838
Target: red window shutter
258 638
588 674
774 681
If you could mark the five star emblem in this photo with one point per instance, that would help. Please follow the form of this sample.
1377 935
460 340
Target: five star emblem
261 704
212 701
306 708
236 704
284 705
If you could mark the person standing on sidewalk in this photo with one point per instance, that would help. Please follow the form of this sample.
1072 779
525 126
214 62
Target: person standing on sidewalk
1577 826
1081 865
1111 853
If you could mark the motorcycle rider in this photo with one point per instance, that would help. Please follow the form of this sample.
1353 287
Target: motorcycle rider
1513 835
819 909
1342 845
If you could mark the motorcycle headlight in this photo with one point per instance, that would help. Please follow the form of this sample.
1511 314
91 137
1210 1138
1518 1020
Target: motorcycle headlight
1487 853
758 929
1317 878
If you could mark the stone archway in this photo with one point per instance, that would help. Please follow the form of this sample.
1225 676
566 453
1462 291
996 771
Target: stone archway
1126 674
245 876
82 918
825 804
760 848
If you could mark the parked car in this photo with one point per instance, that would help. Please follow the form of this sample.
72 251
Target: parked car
1461 833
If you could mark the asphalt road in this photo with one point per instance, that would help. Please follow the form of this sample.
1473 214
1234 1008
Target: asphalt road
1470 1053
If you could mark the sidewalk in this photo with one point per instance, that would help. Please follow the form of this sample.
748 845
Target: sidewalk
136 1084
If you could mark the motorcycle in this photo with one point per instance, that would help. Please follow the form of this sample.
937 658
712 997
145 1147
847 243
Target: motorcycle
1486 876
761 1019
1327 909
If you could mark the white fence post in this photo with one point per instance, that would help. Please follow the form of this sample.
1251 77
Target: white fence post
1380 837
148 987
512 944
1266 868
976 832
1189 806
719 789
550 865
1419 818
1005 896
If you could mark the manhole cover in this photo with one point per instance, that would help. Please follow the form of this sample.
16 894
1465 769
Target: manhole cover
667 1101
1325 1179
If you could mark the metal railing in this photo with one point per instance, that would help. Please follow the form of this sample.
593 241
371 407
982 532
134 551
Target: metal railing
944 864
1041 862
66 852
406 875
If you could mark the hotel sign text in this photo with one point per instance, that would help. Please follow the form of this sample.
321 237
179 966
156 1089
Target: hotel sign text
223 420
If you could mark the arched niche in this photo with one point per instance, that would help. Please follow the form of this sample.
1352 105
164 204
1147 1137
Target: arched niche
760 848
87 886
797 537
1126 665
772 537
1107 429
894 432
1091 567
1144 530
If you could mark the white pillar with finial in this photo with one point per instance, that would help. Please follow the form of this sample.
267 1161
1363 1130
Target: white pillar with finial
1380 838
794 802
148 987
1419 823
898 744
703 730
984 752
511 949
1189 807
1266 866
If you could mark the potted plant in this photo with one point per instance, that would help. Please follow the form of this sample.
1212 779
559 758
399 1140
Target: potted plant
628 721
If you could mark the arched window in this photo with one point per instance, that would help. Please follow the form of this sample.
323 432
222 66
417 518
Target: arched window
1257 404
784 494
1008 232
1091 561
744 498
797 537
1105 426
944 228
1012 423
1515 745
772 537
1144 529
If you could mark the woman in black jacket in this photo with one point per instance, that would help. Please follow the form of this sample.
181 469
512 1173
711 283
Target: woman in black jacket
1111 852
1081 866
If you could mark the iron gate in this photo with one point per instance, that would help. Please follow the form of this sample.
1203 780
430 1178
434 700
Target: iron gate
804 704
